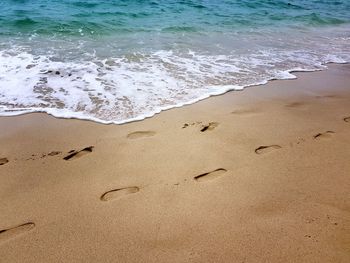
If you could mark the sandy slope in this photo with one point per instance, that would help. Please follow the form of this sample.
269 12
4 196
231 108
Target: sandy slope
261 175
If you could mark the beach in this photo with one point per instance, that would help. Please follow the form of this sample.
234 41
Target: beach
259 175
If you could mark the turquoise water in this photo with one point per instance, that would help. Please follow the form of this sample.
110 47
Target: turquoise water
97 18
122 60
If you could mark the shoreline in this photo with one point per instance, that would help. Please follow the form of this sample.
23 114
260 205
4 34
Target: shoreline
260 175
292 72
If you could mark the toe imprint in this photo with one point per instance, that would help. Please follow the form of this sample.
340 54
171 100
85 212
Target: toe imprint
77 154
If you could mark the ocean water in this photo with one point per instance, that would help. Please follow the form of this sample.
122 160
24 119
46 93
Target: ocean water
116 61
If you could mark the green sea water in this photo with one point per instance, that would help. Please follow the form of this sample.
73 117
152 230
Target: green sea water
97 18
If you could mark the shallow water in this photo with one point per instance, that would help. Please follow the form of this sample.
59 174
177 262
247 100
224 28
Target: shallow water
117 61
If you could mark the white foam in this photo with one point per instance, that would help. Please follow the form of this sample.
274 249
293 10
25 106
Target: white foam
136 86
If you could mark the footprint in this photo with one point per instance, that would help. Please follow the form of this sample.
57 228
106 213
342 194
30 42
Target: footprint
186 125
77 154
347 119
296 104
326 134
210 175
245 112
15 231
140 134
53 153
329 96
266 149
119 193
210 126
3 161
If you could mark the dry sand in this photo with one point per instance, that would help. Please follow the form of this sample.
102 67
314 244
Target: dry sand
261 175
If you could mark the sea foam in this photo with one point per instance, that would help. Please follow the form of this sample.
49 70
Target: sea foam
133 87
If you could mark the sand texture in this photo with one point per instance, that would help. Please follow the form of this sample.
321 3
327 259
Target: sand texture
261 175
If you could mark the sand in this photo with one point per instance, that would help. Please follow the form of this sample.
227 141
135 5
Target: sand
261 175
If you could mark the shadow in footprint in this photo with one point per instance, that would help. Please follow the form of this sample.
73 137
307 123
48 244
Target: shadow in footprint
15 231
77 154
140 134
3 161
54 153
119 193
323 135
186 125
211 126
267 148
347 119
210 175
296 104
